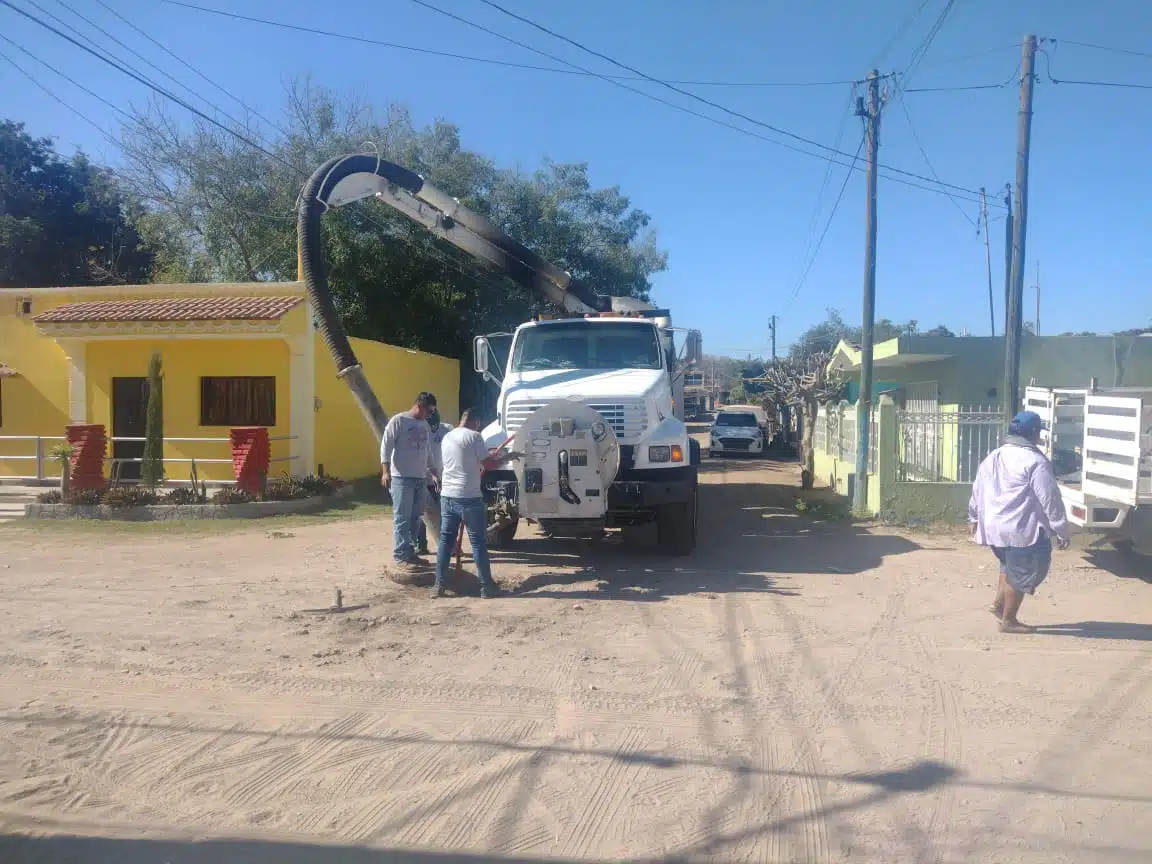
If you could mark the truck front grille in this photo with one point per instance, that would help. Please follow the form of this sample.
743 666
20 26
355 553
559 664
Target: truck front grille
628 420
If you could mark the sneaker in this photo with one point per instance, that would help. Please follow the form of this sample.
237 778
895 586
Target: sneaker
490 591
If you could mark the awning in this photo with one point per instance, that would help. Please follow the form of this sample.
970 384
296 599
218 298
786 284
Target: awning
171 309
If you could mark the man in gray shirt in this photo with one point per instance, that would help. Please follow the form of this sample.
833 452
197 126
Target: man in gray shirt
465 457
407 460
431 515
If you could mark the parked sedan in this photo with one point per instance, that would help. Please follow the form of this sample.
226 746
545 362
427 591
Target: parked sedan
736 432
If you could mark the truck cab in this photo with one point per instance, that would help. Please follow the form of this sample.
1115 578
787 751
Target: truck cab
591 403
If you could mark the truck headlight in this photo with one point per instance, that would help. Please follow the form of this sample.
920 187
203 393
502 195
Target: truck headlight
664 453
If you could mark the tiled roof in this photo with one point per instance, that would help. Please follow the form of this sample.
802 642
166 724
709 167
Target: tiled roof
172 309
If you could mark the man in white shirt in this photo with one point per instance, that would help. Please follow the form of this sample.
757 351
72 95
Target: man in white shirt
465 457
406 461
431 515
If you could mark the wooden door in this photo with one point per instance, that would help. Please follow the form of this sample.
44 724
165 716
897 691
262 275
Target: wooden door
129 420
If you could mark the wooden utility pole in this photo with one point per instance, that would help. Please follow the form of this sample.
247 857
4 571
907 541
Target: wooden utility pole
870 111
988 255
1007 252
772 327
1014 329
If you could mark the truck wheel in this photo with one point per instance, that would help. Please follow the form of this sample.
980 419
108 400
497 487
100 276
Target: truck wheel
694 454
677 524
503 537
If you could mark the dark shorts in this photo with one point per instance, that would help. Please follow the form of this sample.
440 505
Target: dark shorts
1026 567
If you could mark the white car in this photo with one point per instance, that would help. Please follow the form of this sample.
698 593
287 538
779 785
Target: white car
736 431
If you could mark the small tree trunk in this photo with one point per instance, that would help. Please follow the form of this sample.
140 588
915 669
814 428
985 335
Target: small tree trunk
807 450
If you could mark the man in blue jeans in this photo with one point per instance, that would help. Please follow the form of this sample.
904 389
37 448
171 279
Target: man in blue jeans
465 457
407 463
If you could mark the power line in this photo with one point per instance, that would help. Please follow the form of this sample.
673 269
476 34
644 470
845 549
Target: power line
887 49
824 233
146 82
67 78
365 40
1128 85
1109 48
54 96
709 102
193 69
123 45
814 220
922 51
927 161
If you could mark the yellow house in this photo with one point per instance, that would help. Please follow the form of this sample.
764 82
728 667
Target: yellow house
233 355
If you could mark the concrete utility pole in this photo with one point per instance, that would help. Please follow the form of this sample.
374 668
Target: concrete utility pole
1037 327
870 111
988 255
772 327
1015 317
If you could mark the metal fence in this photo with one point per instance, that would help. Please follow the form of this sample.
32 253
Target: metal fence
34 451
937 446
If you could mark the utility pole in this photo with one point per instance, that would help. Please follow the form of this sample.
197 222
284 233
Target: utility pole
988 255
1014 330
1007 253
870 111
772 327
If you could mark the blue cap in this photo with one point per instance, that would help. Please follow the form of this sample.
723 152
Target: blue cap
1026 423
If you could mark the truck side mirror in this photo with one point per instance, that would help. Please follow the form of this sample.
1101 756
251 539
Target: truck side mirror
694 349
480 354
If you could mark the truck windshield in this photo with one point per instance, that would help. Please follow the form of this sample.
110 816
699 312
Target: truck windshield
587 346
736 420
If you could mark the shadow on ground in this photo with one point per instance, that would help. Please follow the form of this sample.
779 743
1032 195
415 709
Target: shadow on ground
1121 563
752 532
1100 630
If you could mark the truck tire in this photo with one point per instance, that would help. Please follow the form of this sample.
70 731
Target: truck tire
694 454
503 538
677 524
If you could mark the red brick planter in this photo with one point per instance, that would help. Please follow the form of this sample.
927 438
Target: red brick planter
89 446
251 456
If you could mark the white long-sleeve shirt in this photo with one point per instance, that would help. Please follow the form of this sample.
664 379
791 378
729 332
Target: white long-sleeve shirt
1015 497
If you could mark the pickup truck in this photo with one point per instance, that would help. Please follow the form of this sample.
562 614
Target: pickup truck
1100 443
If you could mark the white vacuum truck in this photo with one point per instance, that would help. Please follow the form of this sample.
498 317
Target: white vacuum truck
1100 443
593 400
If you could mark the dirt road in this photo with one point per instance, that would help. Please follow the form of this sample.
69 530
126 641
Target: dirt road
798 691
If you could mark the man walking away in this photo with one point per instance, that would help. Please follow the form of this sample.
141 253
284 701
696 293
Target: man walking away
431 514
1016 509
406 462
466 457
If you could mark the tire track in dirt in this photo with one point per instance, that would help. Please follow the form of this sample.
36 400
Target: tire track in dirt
301 756
947 744
607 795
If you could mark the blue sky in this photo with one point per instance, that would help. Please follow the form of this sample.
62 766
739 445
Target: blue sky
734 212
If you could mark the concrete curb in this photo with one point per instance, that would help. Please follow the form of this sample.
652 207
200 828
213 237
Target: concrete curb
168 512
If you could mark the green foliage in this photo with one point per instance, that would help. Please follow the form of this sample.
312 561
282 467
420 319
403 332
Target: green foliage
123 497
184 496
216 210
85 497
825 336
231 495
52 496
292 488
152 464
63 222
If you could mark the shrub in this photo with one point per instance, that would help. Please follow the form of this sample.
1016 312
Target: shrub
184 495
85 497
123 497
231 495
294 488
52 496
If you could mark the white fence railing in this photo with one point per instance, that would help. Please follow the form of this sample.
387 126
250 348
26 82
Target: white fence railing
946 446
42 466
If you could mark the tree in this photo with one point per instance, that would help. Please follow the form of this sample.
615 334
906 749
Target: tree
152 464
63 222
939 331
216 209
804 382
825 336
